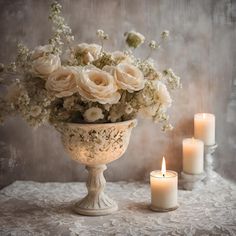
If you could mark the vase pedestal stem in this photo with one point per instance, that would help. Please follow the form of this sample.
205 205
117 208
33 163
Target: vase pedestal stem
96 202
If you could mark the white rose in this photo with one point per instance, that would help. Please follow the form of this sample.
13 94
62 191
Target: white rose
162 94
98 86
145 97
63 82
121 57
43 62
41 51
128 77
154 92
88 52
149 111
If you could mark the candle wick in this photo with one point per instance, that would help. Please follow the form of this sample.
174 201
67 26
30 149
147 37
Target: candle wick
163 175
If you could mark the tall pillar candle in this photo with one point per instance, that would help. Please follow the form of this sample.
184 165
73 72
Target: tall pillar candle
193 150
204 128
164 190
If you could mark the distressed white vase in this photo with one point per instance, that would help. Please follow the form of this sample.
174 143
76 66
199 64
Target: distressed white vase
95 145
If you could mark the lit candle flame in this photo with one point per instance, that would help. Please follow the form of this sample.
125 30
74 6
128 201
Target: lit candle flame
204 115
163 167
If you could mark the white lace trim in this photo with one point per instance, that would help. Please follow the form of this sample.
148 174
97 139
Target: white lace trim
31 208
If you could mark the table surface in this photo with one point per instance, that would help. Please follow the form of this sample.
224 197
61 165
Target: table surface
32 208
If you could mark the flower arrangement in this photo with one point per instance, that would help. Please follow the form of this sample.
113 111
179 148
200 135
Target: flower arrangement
68 82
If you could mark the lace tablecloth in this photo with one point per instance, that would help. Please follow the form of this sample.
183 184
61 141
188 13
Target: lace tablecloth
31 208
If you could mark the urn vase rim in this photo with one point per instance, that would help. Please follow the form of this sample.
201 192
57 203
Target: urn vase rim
99 124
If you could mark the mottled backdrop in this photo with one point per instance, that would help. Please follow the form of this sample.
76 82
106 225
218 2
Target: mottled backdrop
202 50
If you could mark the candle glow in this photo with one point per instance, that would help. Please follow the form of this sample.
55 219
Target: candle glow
163 167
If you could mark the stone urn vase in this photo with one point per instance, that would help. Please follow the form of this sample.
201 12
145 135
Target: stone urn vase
96 145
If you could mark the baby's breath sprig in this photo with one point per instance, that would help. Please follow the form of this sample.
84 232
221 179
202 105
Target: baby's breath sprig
172 79
167 127
102 37
104 60
21 63
154 45
10 68
62 32
165 34
23 58
148 69
163 118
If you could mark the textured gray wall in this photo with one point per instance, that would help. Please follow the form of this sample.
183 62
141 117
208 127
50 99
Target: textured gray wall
202 50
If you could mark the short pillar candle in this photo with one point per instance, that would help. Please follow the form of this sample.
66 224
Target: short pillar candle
204 128
193 156
164 189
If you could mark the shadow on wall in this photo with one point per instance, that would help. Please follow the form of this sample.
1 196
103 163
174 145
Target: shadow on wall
172 151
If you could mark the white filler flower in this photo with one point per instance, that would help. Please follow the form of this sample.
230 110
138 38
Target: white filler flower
93 114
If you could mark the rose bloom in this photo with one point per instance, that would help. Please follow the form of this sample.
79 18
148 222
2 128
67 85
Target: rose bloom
121 57
63 82
98 86
149 111
154 91
128 77
162 94
145 97
43 62
89 52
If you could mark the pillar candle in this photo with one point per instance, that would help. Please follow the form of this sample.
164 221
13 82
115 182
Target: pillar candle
193 151
164 188
204 128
